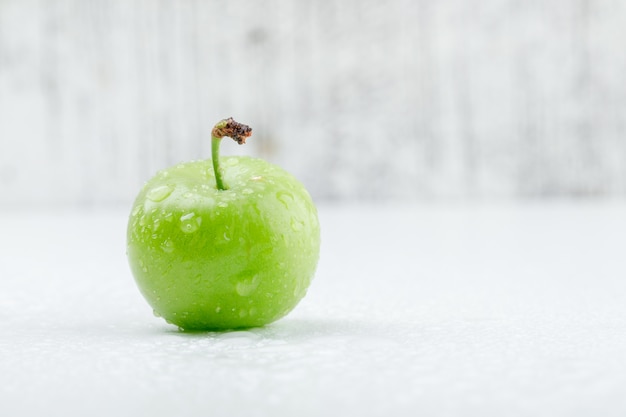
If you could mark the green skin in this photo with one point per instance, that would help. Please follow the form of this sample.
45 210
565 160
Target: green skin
211 259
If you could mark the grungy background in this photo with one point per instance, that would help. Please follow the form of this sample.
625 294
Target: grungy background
403 100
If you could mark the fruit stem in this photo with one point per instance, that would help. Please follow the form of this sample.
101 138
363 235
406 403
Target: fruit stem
235 130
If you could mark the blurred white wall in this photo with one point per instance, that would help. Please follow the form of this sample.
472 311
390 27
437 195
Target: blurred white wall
360 99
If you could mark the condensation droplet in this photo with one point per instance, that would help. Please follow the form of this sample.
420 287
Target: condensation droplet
247 191
296 224
218 309
222 204
136 211
300 290
285 198
226 236
189 222
156 313
248 286
167 246
160 193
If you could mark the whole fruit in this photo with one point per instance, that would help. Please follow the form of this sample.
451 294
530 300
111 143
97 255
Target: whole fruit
223 244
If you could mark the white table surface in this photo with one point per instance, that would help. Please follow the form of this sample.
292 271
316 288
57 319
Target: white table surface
481 310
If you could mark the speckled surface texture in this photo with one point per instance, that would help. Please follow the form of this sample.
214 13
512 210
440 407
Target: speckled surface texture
422 310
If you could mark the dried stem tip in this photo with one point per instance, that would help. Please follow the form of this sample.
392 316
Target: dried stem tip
229 127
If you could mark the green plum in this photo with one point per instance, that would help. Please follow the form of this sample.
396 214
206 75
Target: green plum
223 244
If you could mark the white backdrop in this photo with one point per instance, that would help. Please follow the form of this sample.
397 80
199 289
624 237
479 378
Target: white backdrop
360 99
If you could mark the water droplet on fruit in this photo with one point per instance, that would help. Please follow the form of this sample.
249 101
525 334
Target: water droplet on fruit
167 246
136 211
189 222
197 279
248 286
187 195
296 224
285 198
222 204
247 191
218 309
156 313
160 193
226 236
300 290
257 178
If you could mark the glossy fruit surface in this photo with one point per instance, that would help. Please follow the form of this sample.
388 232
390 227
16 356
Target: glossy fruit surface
206 258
